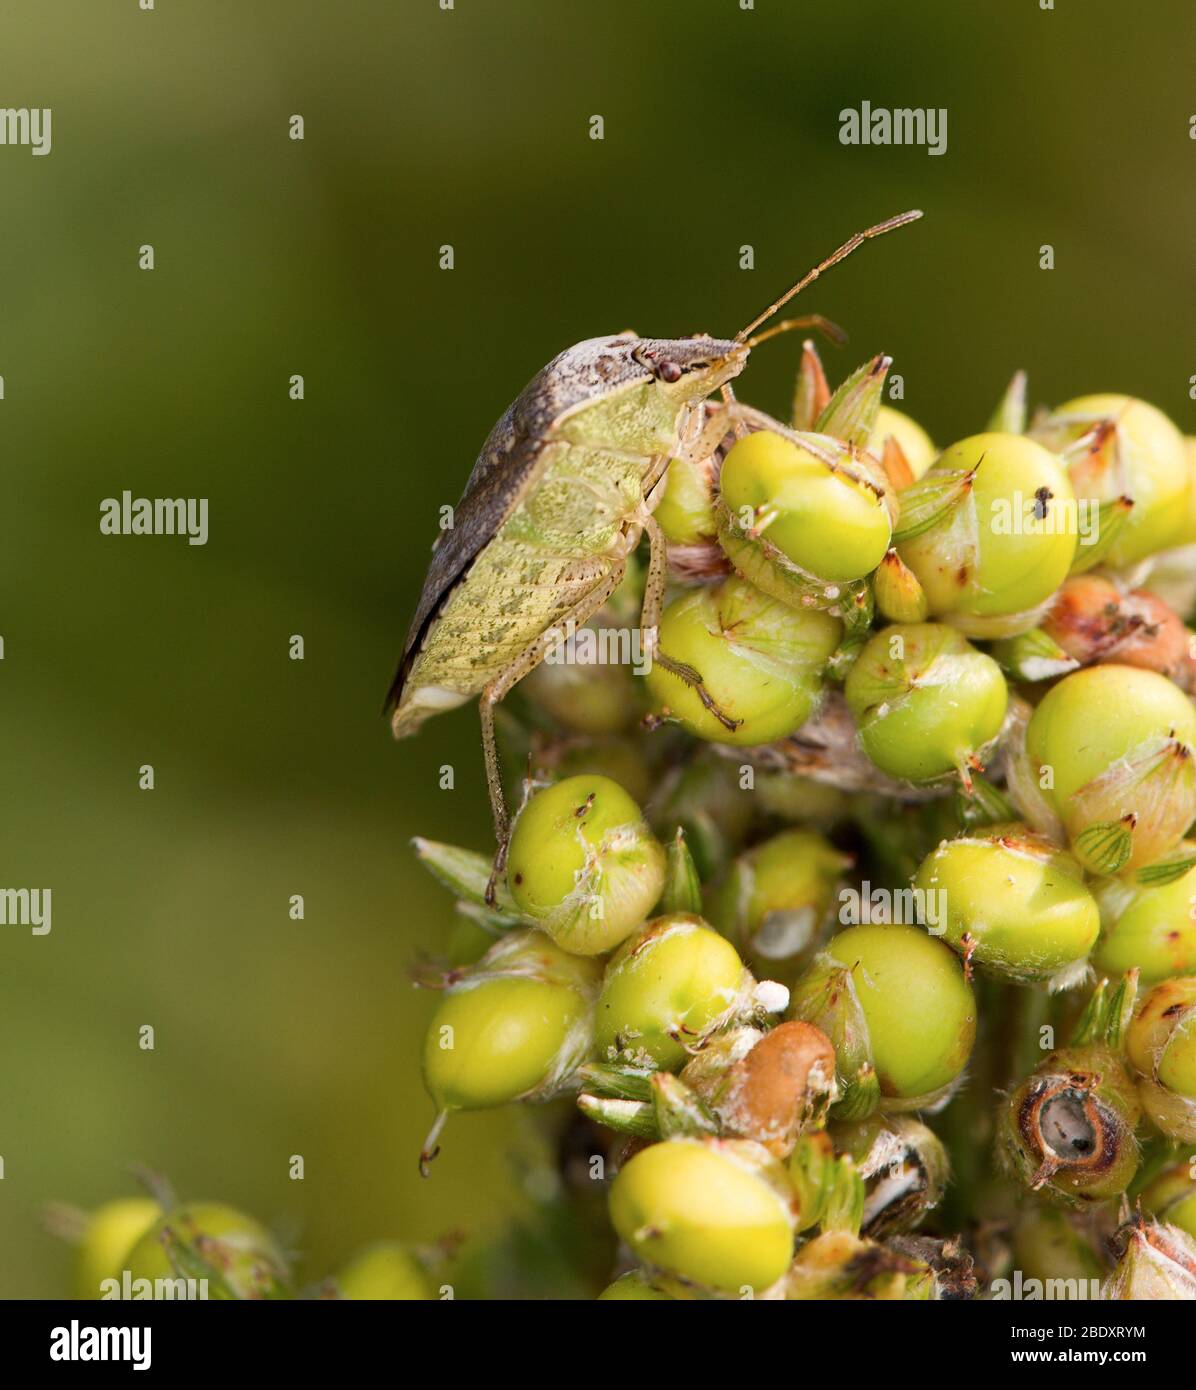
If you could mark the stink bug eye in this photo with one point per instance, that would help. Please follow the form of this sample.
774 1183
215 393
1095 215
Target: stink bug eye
662 368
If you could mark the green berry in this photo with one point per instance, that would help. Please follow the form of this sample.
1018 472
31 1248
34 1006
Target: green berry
1161 1046
897 1007
761 662
778 897
1003 542
633 1287
717 1212
1142 456
910 437
664 990
385 1271
828 520
1013 902
1109 751
109 1234
209 1240
925 701
1148 926
513 1027
1068 1130
685 512
583 863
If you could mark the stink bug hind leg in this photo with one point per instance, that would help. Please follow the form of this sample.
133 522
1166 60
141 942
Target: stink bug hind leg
526 662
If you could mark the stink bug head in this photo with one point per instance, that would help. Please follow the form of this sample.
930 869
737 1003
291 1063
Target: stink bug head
689 369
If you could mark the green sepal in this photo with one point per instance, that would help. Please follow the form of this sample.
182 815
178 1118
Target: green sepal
1032 656
931 501
861 1095
1165 870
987 805
637 1117
616 1082
466 873
1106 846
1108 1013
1111 518
850 414
1010 414
826 997
682 886
829 1188
680 1112
767 567
495 923
188 1263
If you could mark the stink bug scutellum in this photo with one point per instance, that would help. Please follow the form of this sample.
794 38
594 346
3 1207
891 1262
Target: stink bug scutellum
559 497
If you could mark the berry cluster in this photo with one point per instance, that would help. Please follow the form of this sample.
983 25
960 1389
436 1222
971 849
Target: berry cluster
862 931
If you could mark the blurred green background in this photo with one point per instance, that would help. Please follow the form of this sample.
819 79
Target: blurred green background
273 257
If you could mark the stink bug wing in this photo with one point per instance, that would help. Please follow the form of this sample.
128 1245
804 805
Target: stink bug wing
504 469
508 465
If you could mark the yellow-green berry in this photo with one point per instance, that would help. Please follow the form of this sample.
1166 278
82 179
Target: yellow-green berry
1137 452
1011 901
760 662
665 989
925 701
583 863
513 1027
1109 751
717 1212
899 1011
1001 540
828 520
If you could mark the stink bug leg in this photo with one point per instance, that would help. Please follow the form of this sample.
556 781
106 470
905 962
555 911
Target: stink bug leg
609 579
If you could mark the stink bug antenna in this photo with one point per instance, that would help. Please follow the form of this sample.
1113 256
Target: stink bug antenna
833 259
824 326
